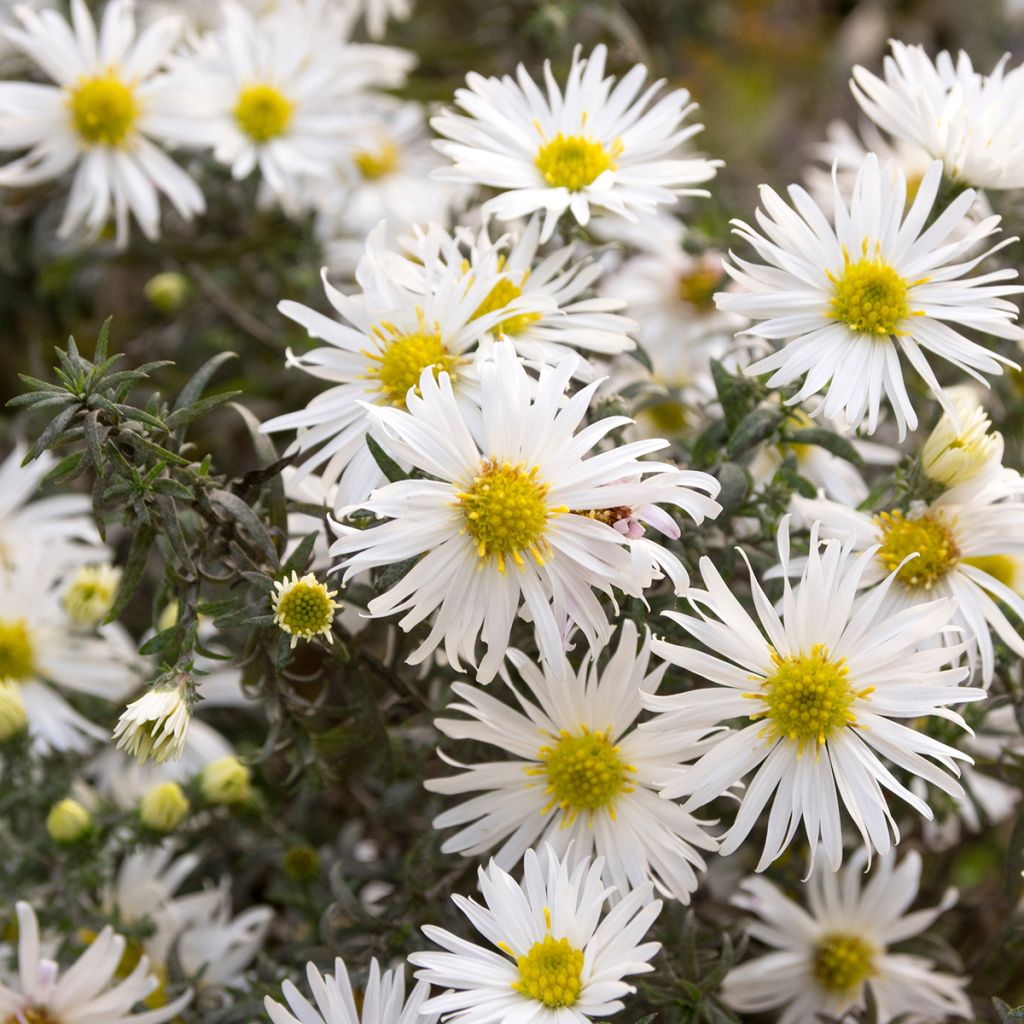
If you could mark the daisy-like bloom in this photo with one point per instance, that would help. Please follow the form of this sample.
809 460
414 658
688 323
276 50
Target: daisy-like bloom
154 727
822 689
557 956
103 113
583 776
973 123
826 958
561 318
391 336
304 608
598 143
848 300
61 525
386 176
969 544
273 91
383 999
90 593
514 515
43 651
91 989
963 447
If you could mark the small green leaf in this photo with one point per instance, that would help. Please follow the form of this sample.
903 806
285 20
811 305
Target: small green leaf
52 434
734 481
134 567
185 415
829 440
391 469
299 558
196 385
758 425
248 520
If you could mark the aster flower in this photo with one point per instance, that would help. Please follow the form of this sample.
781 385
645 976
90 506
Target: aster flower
847 301
92 989
274 91
43 651
304 608
515 515
154 727
825 959
973 123
559 318
581 775
90 593
391 336
597 143
383 999
557 956
961 447
822 689
969 544
110 82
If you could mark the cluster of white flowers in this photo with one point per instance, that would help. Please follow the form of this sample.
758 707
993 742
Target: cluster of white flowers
468 442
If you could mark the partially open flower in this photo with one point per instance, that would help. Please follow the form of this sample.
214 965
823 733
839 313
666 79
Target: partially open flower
955 453
155 726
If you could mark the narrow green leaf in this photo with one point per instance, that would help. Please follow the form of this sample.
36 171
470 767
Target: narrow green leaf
300 556
185 415
248 520
391 469
755 427
196 384
143 444
52 434
172 488
102 341
67 469
171 528
829 440
134 567
733 479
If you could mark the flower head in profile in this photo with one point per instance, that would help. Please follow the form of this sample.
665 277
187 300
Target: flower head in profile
382 999
93 988
825 959
821 691
556 954
103 116
155 726
849 300
963 446
514 517
973 123
579 776
596 143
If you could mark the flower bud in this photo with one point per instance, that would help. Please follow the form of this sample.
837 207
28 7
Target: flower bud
164 807
13 719
301 863
68 822
168 291
226 781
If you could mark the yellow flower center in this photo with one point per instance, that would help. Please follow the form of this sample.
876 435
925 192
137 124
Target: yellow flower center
13 717
90 593
304 607
551 973
843 962
584 772
103 110
262 112
507 512
1001 567
699 286
377 163
504 292
575 161
928 535
402 358
870 297
17 657
808 698
31 1015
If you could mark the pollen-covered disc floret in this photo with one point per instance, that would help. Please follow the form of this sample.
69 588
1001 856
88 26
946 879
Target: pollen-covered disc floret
808 698
506 512
304 607
379 162
584 772
574 161
930 536
843 962
90 593
103 110
17 654
503 293
870 297
402 357
263 112
551 972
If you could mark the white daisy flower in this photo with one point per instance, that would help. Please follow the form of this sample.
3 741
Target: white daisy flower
155 726
973 123
969 544
832 676
557 956
61 524
848 300
598 143
42 651
391 336
581 776
827 958
275 91
386 176
91 989
514 515
304 608
383 999
962 447
102 116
